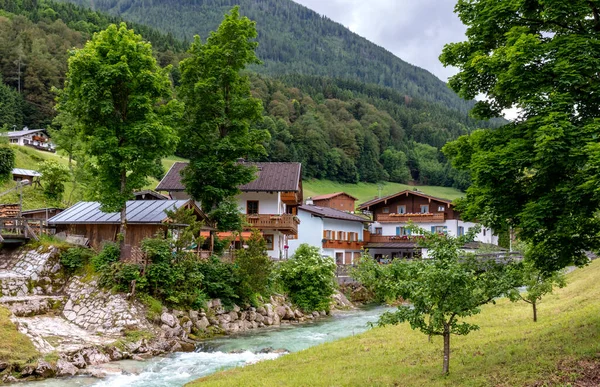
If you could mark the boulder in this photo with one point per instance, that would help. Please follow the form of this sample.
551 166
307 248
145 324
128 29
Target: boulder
177 313
323 313
93 357
215 303
289 313
168 319
64 368
202 323
45 369
187 326
187 347
315 314
258 318
78 361
261 310
233 316
269 309
193 315
280 311
298 314
236 308
268 321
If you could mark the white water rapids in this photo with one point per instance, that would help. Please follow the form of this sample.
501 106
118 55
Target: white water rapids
222 353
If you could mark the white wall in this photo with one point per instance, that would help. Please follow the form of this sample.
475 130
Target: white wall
452 228
268 203
310 230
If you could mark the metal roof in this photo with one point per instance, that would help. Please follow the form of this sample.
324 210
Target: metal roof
271 177
19 133
138 211
26 172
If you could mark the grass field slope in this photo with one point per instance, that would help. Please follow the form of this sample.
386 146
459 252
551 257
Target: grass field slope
562 348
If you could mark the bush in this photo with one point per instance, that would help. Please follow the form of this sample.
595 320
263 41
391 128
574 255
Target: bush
7 162
75 258
110 254
309 278
220 280
254 268
54 177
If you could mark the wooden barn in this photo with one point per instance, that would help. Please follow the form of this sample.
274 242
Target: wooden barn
145 218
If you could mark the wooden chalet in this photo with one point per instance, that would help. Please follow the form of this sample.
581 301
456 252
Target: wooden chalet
339 200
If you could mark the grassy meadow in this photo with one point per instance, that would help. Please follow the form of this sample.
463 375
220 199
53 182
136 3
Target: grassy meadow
16 348
509 349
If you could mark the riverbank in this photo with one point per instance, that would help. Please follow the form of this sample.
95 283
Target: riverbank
509 349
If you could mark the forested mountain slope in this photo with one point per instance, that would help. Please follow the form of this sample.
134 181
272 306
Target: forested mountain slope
292 40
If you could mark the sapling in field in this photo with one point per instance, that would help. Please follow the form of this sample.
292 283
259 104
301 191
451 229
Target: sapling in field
442 290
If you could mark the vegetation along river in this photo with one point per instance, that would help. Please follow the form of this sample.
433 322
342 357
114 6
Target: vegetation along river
224 352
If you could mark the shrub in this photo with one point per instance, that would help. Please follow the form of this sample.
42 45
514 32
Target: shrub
220 280
75 258
109 254
54 177
7 162
158 250
309 278
254 268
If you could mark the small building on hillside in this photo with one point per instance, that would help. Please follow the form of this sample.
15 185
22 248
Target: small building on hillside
42 213
145 219
20 174
338 234
35 138
339 200
149 195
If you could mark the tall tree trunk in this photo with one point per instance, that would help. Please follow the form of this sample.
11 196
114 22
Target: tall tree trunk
123 226
534 311
446 334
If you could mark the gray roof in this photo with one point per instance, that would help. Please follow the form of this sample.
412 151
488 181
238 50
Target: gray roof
332 213
26 172
19 133
138 211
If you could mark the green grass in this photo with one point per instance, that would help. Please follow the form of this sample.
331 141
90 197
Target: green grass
368 191
509 349
15 347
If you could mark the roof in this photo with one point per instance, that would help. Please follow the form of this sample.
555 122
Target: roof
332 213
370 203
25 131
26 172
332 195
272 177
148 192
41 210
138 211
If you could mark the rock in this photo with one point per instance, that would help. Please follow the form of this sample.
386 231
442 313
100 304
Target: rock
259 318
236 308
45 369
193 315
3 365
64 368
202 323
289 313
93 357
251 316
280 311
114 353
78 361
216 303
168 319
28 370
9 379
187 326
268 321
176 346
177 313
187 347
137 358
96 373
340 301
233 316
298 314
261 310
269 309
224 318
323 313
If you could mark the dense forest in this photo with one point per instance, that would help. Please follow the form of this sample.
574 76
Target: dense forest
339 128
292 40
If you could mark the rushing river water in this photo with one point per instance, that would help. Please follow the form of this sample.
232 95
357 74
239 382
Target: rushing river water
221 353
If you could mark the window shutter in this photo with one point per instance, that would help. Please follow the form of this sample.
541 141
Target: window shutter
445 229
409 232
433 229
397 231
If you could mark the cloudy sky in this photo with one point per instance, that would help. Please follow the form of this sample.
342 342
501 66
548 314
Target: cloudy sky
414 30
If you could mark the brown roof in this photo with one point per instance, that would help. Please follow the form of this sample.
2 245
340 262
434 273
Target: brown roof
369 203
272 177
332 195
332 213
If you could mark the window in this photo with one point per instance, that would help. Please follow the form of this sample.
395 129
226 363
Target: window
439 229
402 231
424 208
378 230
341 236
339 258
386 210
461 231
252 207
269 239
402 209
352 236
328 234
441 208
484 232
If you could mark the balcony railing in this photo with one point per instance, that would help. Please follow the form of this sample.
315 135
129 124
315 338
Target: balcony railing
340 244
286 223
394 238
416 217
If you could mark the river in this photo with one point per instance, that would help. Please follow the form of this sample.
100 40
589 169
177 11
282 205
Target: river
225 352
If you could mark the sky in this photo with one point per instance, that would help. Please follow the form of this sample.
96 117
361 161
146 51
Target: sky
414 30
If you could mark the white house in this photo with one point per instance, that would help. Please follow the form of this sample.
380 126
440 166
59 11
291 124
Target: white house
389 236
337 233
269 202
36 138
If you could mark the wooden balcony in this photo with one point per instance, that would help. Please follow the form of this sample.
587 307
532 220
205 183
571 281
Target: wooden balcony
374 238
342 245
415 218
286 223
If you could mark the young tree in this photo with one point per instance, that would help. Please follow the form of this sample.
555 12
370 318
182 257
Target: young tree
540 174
54 177
537 284
116 92
254 267
442 290
219 111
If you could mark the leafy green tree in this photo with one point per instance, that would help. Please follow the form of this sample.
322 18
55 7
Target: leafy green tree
395 163
539 174
11 106
54 177
116 91
309 278
537 284
219 111
188 235
7 157
226 216
254 267
442 290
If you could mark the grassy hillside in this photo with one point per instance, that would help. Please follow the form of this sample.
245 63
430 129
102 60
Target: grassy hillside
16 348
509 350
367 191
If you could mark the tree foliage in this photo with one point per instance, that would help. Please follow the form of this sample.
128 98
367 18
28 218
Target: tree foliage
442 290
54 177
219 111
7 162
539 174
117 92
254 267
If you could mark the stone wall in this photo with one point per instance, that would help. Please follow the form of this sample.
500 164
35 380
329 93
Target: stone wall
31 272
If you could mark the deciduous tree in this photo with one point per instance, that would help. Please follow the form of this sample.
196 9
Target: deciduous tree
541 173
118 95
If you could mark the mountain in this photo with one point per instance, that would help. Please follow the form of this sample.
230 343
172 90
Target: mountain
293 40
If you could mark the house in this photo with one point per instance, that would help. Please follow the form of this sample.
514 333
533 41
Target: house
389 236
145 218
338 234
149 195
339 200
41 213
35 138
269 202
20 174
